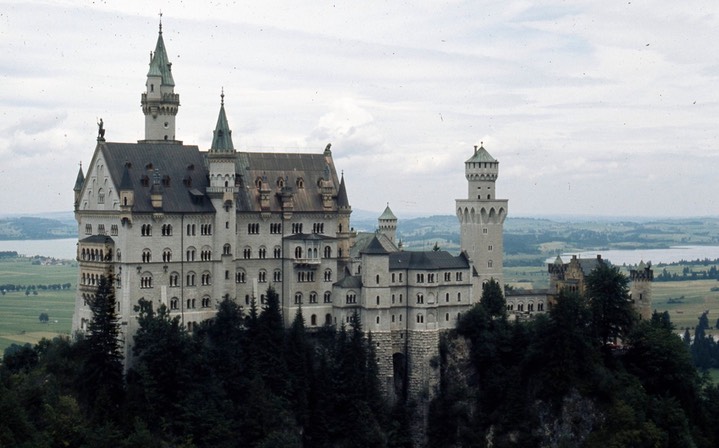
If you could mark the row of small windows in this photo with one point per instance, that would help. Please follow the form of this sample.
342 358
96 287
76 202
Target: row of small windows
430 277
190 304
530 307
101 229
95 255
327 298
205 229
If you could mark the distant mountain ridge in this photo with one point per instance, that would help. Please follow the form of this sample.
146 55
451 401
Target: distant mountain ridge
36 228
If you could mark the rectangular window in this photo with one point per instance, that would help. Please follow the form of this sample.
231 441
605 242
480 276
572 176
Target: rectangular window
101 229
88 229
113 230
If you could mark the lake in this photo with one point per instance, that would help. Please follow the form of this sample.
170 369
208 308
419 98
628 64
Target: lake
64 248
670 255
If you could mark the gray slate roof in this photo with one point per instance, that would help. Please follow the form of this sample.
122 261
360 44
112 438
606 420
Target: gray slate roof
181 167
98 239
427 260
350 281
160 65
374 248
481 155
290 167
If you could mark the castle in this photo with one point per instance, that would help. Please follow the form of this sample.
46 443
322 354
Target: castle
186 228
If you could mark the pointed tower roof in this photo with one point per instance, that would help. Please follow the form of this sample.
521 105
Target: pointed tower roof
222 135
80 180
342 200
387 214
558 260
374 247
481 155
126 182
160 65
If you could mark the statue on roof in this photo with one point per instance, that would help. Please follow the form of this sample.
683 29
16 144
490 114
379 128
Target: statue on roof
100 130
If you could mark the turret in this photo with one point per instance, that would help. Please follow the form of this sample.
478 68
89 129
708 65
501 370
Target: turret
481 217
160 103
640 289
221 158
387 224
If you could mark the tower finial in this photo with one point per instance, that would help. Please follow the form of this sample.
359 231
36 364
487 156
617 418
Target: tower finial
160 21
222 97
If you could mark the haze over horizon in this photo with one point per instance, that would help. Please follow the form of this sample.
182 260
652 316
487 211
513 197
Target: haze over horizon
592 109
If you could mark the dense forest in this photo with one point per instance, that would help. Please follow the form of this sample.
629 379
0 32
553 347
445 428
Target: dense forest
588 373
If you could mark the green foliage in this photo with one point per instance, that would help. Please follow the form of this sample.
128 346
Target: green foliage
493 299
608 294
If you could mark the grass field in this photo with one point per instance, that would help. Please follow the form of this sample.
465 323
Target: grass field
698 298
19 314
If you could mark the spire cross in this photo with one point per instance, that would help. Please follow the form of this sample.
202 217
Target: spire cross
160 21
222 97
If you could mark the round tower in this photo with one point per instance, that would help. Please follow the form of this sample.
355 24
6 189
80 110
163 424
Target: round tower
481 217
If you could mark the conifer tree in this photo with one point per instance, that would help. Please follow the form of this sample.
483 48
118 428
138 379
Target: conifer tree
493 299
101 381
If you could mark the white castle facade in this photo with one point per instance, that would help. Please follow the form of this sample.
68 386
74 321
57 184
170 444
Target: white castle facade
187 228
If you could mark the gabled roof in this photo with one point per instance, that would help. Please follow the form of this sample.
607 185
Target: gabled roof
427 260
481 155
362 239
222 135
298 174
160 65
181 168
374 248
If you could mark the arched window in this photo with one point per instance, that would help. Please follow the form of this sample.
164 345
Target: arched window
146 280
420 298
247 252
226 249
174 279
146 256
205 302
166 255
206 278
262 276
328 297
313 297
174 303
263 252
328 275
420 319
278 252
328 319
298 298
328 252
313 320
190 279
190 254
240 276
298 252
277 276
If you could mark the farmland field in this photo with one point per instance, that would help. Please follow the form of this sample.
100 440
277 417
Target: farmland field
19 313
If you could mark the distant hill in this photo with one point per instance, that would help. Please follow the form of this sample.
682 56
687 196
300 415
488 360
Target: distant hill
35 228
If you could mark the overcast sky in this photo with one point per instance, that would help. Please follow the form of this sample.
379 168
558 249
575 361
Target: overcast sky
592 108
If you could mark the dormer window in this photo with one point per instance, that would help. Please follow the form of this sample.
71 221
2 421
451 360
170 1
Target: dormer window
300 182
280 182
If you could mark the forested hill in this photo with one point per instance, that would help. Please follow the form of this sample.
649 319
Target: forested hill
540 236
36 228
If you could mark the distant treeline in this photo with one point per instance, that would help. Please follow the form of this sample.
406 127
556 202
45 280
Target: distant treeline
6 254
9 287
688 274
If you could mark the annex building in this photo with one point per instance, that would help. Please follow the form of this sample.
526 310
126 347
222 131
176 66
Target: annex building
187 227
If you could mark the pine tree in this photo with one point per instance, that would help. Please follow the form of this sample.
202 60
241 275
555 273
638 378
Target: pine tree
101 381
493 299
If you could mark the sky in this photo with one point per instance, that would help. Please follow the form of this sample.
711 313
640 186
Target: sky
592 108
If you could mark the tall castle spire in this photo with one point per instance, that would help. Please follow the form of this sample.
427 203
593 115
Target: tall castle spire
160 103
222 135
